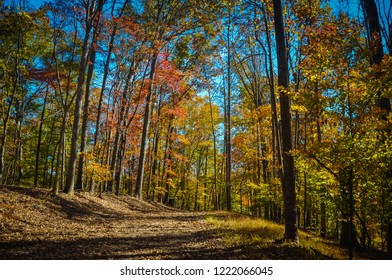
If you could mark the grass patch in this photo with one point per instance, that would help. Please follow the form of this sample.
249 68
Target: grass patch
246 229
264 239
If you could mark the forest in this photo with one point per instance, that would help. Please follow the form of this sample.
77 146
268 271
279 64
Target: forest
276 109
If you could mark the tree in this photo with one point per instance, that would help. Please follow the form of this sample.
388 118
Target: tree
382 101
288 178
93 12
165 22
228 113
64 45
24 49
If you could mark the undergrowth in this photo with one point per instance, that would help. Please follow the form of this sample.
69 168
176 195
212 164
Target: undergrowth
265 238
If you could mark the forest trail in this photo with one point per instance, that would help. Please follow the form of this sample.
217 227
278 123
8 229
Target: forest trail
37 225
34 224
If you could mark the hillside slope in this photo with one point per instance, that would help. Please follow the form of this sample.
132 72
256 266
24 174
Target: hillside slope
37 225
34 224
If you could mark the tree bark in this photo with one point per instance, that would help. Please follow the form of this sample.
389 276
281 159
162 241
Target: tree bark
288 179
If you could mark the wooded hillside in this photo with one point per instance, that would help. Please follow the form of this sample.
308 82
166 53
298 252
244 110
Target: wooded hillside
276 109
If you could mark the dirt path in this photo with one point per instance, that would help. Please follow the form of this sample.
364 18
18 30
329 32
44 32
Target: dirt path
37 225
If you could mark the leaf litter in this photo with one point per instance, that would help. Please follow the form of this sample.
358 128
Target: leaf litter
34 224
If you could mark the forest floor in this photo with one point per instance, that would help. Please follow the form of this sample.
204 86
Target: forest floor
34 224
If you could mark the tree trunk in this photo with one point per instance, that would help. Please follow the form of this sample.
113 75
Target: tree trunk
154 166
275 121
37 154
348 237
69 187
45 171
168 153
15 82
113 161
104 80
119 165
146 125
106 72
4 139
18 169
372 20
214 192
90 16
91 64
60 153
228 119
205 180
198 171
288 181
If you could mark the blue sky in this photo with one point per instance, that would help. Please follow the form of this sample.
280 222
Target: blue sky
35 3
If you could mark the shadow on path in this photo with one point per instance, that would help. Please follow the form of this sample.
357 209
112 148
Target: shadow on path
166 246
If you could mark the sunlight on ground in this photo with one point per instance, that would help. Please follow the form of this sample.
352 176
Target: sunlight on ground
264 235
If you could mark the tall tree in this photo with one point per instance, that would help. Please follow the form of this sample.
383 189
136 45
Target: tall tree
228 113
92 11
382 102
288 178
60 14
90 71
166 21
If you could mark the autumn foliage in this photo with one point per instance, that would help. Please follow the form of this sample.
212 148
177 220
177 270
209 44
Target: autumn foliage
151 99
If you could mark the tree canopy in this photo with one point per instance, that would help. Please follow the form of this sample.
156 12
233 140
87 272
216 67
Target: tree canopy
196 105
